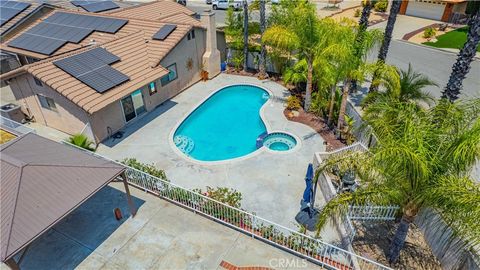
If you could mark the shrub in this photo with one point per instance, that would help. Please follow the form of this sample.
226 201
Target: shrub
146 168
225 195
381 6
357 13
293 103
82 141
430 32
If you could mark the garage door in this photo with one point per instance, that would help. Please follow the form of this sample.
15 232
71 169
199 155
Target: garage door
425 9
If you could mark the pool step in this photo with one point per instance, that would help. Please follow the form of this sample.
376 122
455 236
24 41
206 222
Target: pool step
184 143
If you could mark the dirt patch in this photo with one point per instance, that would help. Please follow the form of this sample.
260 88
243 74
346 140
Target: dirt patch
375 17
373 240
318 124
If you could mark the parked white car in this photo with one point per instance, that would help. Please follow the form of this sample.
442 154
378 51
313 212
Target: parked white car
225 4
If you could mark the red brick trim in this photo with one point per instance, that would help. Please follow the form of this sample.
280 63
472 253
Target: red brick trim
230 266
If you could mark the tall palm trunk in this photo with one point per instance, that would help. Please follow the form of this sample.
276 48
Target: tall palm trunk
362 27
308 94
332 104
398 240
343 106
461 68
245 35
263 51
387 38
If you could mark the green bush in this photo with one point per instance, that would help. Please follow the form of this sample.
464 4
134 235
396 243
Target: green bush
381 6
81 141
429 32
225 195
146 168
293 103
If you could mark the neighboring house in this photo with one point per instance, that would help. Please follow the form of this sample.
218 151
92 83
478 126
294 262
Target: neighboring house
440 10
147 59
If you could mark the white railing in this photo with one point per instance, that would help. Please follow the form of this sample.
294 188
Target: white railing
372 212
357 146
15 126
302 245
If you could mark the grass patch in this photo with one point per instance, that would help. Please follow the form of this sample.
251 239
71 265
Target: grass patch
453 39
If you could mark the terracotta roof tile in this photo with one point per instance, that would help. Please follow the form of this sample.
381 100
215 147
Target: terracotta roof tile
20 16
155 10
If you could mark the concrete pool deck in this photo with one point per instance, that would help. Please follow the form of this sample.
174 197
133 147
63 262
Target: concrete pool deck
271 184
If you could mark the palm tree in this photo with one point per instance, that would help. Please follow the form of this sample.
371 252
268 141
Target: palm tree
81 141
461 68
355 68
300 35
245 35
382 54
422 161
263 51
407 86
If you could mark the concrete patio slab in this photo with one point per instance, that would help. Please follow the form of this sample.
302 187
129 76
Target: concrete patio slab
169 237
271 184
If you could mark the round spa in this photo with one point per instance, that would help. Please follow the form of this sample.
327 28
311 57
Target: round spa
279 141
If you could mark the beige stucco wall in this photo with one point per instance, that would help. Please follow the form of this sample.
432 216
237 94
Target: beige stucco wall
460 8
68 117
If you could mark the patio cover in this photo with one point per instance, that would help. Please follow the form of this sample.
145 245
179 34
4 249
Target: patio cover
42 181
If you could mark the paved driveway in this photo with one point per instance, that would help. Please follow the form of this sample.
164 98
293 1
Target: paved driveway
271 183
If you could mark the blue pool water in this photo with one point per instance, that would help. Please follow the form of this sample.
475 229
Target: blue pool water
225 126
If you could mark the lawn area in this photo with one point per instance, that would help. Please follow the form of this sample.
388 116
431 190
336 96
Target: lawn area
5 136
453 39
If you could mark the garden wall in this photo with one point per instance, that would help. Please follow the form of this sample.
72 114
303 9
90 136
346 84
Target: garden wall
438 240
252 62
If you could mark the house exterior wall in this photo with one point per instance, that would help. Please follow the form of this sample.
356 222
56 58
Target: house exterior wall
67 117
111 119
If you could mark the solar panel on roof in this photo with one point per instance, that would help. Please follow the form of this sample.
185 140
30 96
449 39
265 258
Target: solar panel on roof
99 6
62 27
38 44
10 9
92 68
164 32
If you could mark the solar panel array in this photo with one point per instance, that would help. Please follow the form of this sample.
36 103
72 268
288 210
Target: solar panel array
164 32
10 9
95 6
92 68
60 28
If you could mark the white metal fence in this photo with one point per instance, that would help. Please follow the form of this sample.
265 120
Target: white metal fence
14 126
372 212
315 250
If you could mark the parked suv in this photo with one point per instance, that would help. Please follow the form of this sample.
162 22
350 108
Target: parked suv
225 4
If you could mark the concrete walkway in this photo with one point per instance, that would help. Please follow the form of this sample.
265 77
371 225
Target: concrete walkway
405 24
271 184
161 236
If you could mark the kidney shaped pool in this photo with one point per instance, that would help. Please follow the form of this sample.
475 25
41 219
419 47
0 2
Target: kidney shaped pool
225 126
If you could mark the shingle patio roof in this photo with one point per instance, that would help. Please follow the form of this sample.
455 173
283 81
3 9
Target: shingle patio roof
42 182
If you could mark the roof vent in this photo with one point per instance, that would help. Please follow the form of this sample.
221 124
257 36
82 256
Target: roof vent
92 42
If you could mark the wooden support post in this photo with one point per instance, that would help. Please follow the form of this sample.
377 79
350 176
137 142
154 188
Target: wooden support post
12 264
133 209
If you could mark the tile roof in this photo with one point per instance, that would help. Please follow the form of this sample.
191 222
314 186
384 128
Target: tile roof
155 10
19 17
140 55
42 182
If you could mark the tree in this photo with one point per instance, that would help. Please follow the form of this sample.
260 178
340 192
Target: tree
355 69
245 34
465 57
387 38
422 161
403 85
81 141
263 51
300 35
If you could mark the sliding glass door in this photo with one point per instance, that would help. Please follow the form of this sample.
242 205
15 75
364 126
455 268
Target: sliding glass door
133 105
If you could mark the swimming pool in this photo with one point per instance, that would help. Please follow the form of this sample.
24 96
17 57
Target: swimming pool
225 126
